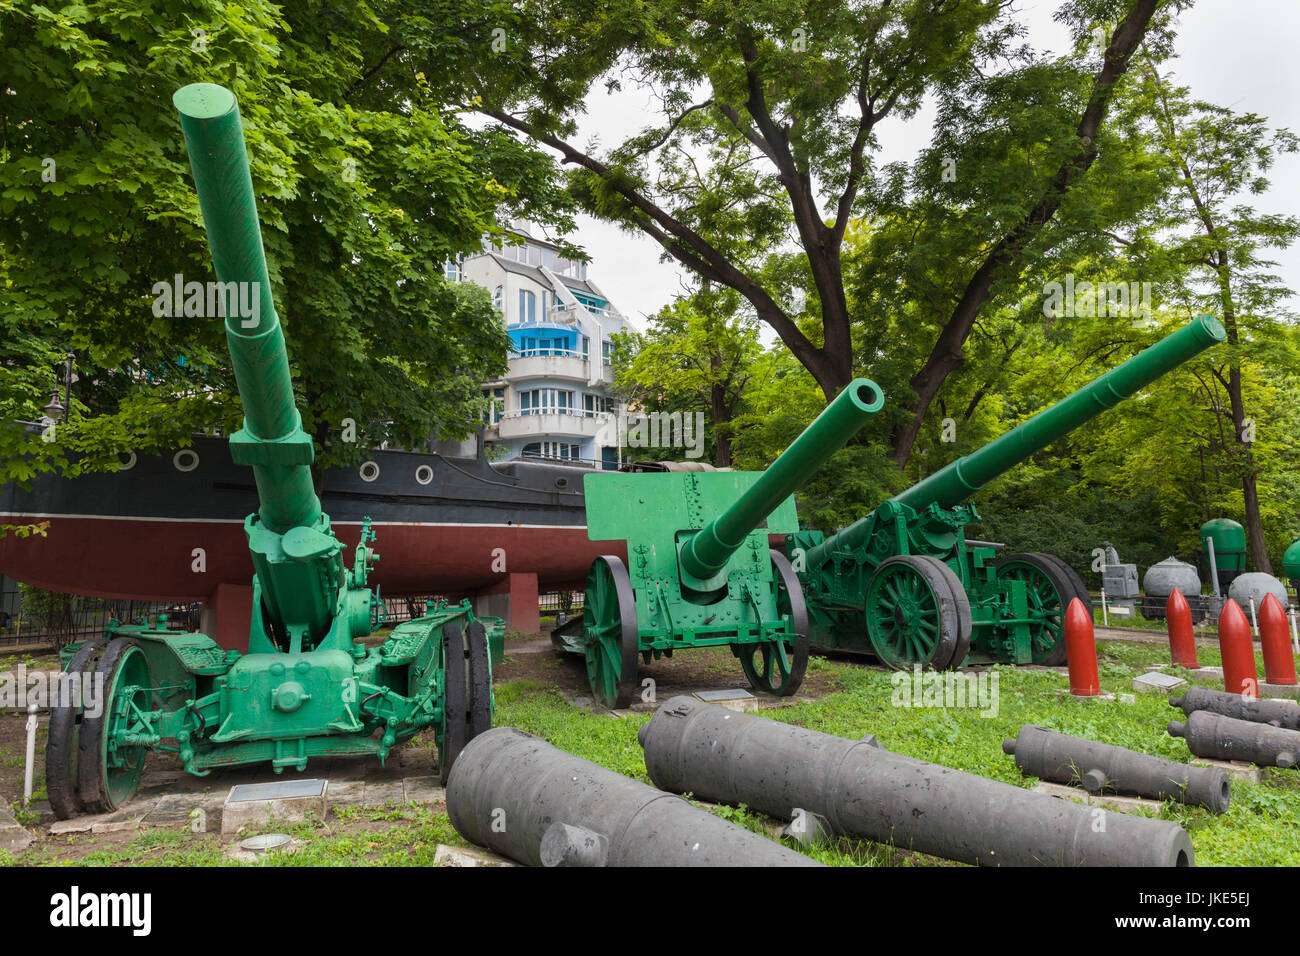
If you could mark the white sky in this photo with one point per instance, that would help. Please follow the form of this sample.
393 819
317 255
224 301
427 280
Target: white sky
1235 53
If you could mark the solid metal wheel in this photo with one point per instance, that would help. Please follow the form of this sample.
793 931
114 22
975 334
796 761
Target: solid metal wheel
777 667
452 738
62 739
480 680
1049 588
610 633
108 768
916 613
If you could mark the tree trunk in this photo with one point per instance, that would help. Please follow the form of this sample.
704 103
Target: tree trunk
721 413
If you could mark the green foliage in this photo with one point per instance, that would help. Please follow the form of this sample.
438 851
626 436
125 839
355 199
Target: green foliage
366 186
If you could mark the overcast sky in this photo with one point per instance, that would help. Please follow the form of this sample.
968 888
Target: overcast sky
1236 53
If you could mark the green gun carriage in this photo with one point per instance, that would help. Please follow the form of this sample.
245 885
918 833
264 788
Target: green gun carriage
907 585
308 685
701 571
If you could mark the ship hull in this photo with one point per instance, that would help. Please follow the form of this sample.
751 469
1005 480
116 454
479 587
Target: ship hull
156 532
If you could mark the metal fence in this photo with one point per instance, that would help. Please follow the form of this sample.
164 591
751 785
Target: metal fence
51 618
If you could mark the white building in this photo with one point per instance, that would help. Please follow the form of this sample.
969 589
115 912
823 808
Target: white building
554 400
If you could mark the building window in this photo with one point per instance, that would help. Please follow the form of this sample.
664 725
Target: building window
545 401
586 348
497 406
498 299
527 306
593 405
566 451
606 353
454 269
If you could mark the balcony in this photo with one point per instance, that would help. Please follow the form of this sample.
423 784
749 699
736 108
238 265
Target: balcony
565 424
559 365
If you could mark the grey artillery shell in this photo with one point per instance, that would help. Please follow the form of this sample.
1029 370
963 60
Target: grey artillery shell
1224 738
1101 767
859 788
1279 713
516 794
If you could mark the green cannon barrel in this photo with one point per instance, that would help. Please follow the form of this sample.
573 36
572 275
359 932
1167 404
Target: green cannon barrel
272 440
957 481
708 550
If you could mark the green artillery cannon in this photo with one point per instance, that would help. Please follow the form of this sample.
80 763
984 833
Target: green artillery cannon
308 687
907 585
696 582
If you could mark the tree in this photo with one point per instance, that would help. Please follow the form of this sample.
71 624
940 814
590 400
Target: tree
769 116
696 355
1213 157
366 188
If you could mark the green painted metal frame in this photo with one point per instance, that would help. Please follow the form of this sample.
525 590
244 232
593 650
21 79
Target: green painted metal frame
698 545
308 687
930 518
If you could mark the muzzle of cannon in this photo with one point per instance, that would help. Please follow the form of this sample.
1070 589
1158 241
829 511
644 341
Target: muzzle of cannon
1279 713
518 795
860 789
701 570
1100 768
1225 738
907 585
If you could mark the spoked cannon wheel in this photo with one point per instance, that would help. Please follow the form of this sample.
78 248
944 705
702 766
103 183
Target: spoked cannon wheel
453 734
61 742
610 633
917 612
109 762
1050 585
777 667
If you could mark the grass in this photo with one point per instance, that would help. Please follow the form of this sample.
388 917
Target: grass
1261 827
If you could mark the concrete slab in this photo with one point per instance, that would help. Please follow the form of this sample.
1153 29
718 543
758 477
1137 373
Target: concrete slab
177 810
13 835
468 856
346 793
107 822
1107 801
1236 769
1206 673
1065 692
1279 691
424 790
259 803
378 794
1157 682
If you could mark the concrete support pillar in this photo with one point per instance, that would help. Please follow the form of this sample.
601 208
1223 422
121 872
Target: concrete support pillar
226 616
514 598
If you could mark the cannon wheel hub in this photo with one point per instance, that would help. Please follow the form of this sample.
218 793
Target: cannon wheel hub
917 612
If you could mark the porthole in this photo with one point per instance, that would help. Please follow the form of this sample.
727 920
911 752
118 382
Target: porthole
125 464
368 471
187 459
424 474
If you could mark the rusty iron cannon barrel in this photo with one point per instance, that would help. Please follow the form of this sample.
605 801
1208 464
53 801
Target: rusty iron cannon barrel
1279 713
518 795
859 788
1226 738
1099 768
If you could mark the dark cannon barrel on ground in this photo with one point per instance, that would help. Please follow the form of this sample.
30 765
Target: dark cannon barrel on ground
1099 767
861 789
516 794
1279 713
1226 738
